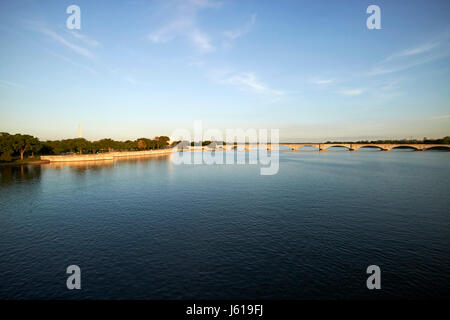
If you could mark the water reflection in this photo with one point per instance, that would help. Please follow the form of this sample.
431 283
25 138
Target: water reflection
158 158
337 148
80 169
403 149
80 166
10 174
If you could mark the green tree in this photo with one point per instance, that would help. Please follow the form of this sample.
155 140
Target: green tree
35 148
23 143
445 140
130 145
142 143
79 144
107 144
162 142
49 147
5 146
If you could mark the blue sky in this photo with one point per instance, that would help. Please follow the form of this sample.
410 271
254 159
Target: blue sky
144 68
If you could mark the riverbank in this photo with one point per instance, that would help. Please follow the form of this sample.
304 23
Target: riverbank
106 156
33 161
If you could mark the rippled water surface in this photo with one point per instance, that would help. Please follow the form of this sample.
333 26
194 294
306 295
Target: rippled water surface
149 229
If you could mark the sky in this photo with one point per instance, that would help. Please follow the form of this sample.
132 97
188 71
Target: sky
311 69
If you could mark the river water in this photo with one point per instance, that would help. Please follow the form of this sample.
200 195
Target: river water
150 229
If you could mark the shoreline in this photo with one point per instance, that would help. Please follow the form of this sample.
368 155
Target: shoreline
105 156
32 163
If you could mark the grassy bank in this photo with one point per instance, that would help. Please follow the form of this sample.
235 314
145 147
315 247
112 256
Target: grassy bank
18 161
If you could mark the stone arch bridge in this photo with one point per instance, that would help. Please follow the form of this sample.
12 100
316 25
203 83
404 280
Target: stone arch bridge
320 146
356 146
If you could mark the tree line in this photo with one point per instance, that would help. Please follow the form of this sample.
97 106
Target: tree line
22 145
445 140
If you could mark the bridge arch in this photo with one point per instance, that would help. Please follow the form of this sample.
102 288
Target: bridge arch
309 147
405 147
328 146
288 146
368 146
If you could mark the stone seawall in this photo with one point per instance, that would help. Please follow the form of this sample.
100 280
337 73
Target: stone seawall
141 153
106 156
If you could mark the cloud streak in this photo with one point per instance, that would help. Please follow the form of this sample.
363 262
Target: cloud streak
321 82
84 38
246 81
184 25
351 92
436 49
53 35
131 80
237 33
70 61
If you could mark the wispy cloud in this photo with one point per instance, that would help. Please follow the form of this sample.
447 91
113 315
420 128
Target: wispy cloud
133 81
322 81
55 36
182 29
426 47
351 92
70 61
384 69
169 32
245 81
239 32
84 38
435 49
62 37
185 25
201 40
386 90
197 63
